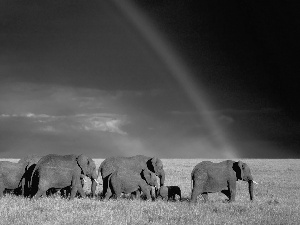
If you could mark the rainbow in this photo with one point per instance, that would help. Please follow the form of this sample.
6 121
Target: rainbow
177 67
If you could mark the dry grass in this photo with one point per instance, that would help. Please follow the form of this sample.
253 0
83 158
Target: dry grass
277 201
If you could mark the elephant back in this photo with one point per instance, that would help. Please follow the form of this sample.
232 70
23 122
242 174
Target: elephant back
30 159
57 160
134 163
109 165
11 168
54 161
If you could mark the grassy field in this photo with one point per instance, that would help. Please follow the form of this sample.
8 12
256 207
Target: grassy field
277 201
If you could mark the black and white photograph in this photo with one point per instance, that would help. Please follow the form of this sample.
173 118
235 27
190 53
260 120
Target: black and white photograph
149 112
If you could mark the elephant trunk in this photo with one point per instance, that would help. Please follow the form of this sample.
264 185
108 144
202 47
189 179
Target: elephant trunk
94 175
94 178
156 184
162 178
250 182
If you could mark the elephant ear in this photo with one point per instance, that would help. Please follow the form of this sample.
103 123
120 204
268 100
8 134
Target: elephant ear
83 163
238 169
241 166
155 165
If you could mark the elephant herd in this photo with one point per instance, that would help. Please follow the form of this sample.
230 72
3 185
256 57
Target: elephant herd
35 176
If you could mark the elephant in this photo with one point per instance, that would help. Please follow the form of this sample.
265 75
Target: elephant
208 177
12 174
138 194
128 181
135 163
168 192
61 171
26 192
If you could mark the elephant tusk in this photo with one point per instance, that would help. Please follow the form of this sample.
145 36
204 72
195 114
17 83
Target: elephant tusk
84 179
255 182
96 181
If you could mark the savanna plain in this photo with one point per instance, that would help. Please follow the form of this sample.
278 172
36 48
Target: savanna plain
276 201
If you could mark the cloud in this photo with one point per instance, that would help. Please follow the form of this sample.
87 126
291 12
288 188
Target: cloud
27 115
87 122
4 116
99 122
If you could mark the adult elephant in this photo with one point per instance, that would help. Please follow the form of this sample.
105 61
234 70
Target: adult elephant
61 171
26 179
135 163
208 177
11 174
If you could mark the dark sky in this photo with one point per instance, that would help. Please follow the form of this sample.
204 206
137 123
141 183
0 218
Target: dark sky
171 78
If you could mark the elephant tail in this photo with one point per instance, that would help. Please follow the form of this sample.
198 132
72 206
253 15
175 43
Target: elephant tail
191 183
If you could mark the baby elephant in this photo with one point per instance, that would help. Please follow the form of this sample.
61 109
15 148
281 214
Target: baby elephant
127 181
168 192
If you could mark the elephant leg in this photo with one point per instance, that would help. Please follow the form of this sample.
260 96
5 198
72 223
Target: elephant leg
108 195
195 193
146 191
135 195
105 185
205 196
63 192
81 192
232 190
197 190
132 195
152 193
93 188
40 193
173 197
117 192
1 188
76 186
27 188
227 193
199 183
82 182
73 192
23 187
118 195
43 186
